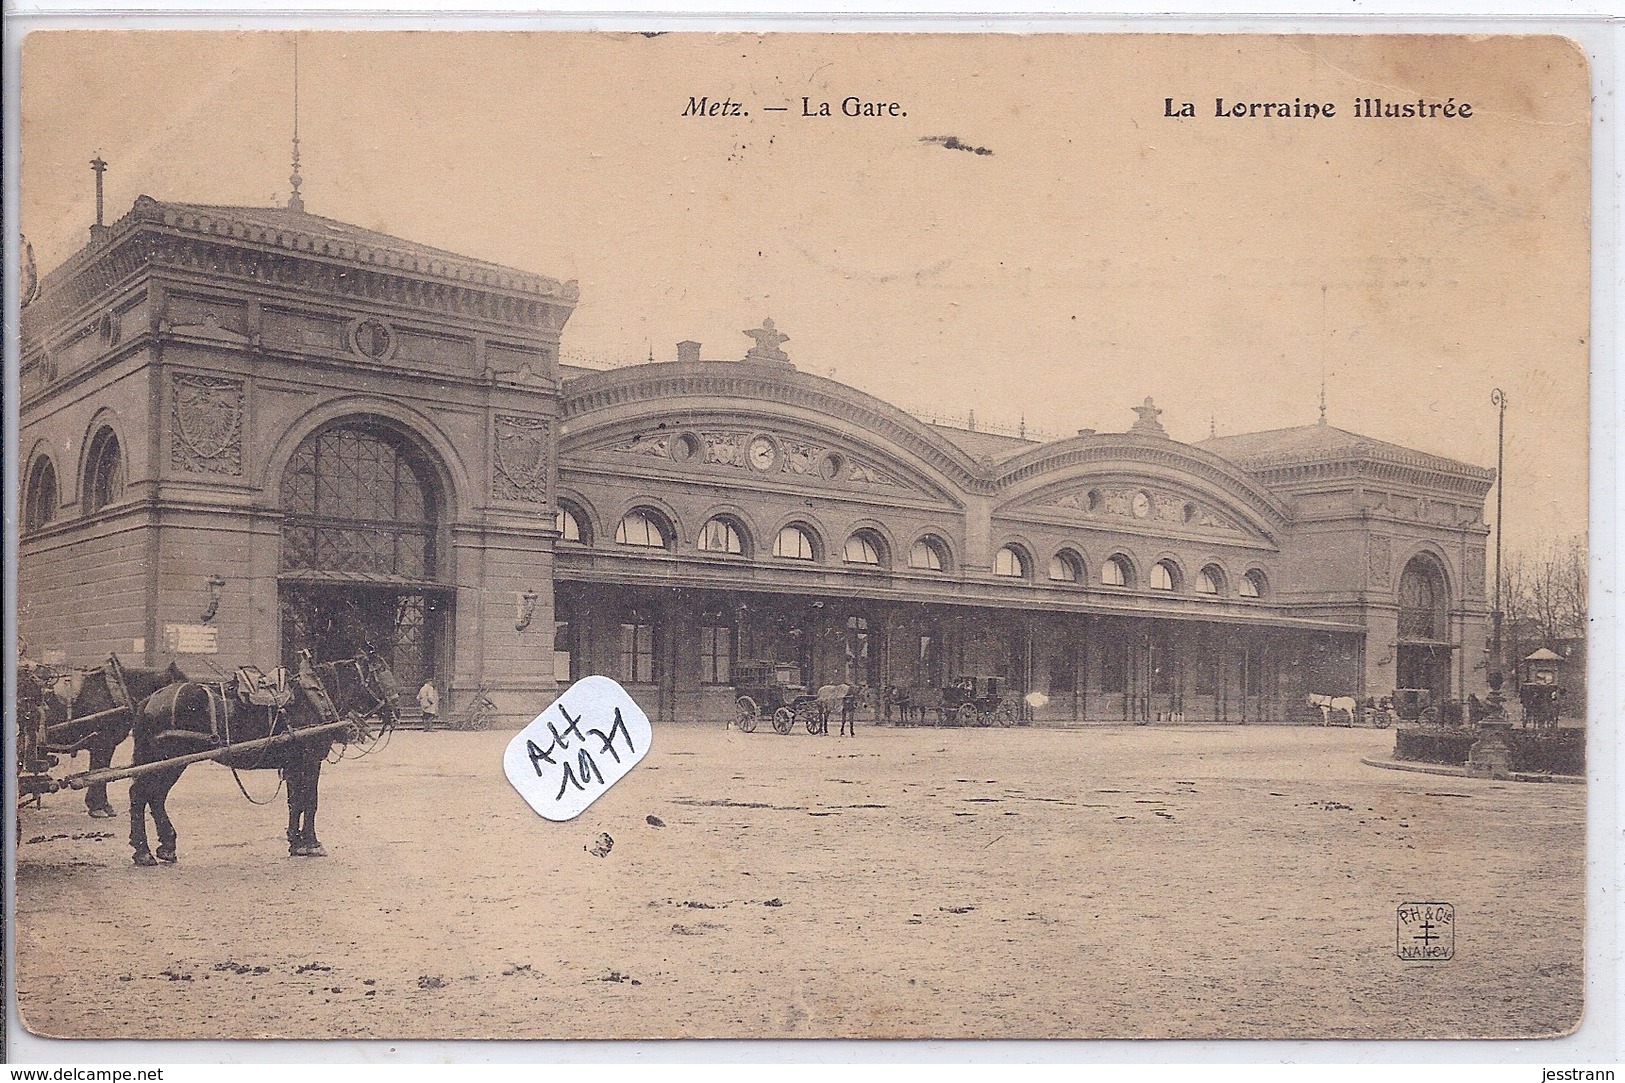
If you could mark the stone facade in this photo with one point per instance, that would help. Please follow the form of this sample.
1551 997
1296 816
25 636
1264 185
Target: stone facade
371 440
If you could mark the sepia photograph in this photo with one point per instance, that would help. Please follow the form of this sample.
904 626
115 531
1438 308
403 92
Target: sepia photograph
565 535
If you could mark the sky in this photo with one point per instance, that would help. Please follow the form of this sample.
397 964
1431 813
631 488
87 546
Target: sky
1099 252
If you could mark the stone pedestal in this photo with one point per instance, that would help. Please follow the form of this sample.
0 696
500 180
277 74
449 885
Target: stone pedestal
1489 756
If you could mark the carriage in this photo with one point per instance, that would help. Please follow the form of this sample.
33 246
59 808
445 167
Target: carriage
1414 705
978 701
34 757
775 690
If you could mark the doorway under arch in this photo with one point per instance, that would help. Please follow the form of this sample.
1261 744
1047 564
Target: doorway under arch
361 549
1423 648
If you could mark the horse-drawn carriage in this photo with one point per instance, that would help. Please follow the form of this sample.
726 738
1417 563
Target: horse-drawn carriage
978 701
963 701
288 722
36 685
775 690
1414 705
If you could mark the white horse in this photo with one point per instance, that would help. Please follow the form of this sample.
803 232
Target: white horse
1328 704
842 698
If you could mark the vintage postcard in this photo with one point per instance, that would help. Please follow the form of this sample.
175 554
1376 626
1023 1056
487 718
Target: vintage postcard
1038 536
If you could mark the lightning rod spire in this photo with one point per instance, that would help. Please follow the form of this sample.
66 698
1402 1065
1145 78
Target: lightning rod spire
296 202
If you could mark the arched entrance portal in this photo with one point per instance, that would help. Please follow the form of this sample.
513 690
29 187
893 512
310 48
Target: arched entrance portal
360 550
1424 635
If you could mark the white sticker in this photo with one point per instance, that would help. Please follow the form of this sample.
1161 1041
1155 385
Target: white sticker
584 743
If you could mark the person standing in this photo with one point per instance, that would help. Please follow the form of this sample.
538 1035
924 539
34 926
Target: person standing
429 704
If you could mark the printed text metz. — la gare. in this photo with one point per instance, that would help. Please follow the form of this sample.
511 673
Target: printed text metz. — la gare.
853 105
1299 109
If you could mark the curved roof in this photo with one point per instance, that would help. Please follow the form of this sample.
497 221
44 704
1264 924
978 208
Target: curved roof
620 394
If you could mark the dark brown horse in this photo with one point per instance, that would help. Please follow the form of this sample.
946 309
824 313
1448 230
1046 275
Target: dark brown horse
192 717
101 716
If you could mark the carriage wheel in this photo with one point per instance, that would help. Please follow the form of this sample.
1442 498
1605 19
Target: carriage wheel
1429 716
984 717
747 713
1381 719
1003 715
966 715
783 720
817 722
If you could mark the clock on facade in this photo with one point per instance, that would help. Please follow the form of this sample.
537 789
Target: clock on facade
1142 505
762 452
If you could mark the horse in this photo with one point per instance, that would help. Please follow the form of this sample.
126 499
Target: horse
100 716
895 695
189 717
844 698
926 700
1328 704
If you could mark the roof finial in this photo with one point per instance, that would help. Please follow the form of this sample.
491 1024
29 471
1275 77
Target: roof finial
100 227
1323 398
1212 426
1148 422
295 201
1022 428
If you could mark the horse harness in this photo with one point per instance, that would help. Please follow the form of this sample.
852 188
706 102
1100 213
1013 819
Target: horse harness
250 689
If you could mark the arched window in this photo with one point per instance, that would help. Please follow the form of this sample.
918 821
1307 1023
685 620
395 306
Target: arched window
928 555
1210 580
568 523
642 530
721 536
794 543
104 472
864 548
1254 585
1421 601
1010 562
41 498
355 498
1065 567
1164 575
1116 572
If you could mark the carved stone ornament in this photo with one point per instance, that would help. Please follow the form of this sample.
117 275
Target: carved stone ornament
1475 570
733 449
208 424
1160 505
1379 559
657 446
521 459
373 339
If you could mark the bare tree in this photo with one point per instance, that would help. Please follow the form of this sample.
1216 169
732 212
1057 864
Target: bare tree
1543 596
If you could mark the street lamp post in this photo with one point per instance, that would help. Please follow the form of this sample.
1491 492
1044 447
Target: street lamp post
1489 756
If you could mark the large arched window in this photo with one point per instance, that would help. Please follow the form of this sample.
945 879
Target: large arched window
865 548
794 543
104 471
40 499
1254 585
1422 601
642 529
1011 563
721 535
357 499
929 554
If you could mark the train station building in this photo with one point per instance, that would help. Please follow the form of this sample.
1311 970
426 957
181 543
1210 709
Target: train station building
250 430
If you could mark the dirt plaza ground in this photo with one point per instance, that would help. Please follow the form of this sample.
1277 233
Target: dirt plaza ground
1199 882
